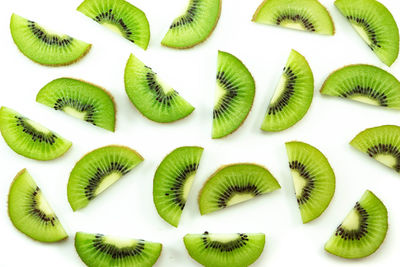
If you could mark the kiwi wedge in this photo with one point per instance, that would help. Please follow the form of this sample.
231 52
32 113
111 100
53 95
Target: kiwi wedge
80 99
222 250
362 231
292 97
43 46
173 181
29 138
121 17
97 171
97 250
30 212
233 184
195 25
304 15
151 96
234 95
375 25
313 178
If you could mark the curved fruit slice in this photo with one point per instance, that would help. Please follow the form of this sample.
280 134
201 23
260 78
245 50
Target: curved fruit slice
98 170
376 26
30 139
292 97
221 250
30 212
195 26
362 231
152 97
81 100
44 46
121 17
233 184
234 95
173 181
104 251
313 178
305 15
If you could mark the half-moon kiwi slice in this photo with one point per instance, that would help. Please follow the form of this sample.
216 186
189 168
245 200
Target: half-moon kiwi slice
305 15
313 178
222 250
30 212
195 25
29 138
80 99
121 17
376 26
97 171
43 46
362 231
233 184
151 96
234 95
97 250
292 97
173 181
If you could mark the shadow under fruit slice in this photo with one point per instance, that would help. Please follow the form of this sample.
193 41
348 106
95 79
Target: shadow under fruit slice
30 139
233 184
313 178
80 99
30 212
222 250
43 46
151 96
121 17
375 25
305 15
173 181
234 95
292 97
362 231
97 250
195 26
97 171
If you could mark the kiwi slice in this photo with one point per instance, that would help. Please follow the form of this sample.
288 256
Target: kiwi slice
376 26
362 231
234 95
233 184
173 181
195 25
151 96
30 212
305 15
292 97
43 46
97 250
222 250
80 99
313 178
121 17
29 138
97 171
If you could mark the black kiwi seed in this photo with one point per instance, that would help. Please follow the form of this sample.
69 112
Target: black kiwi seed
232 92
46 38
386 149
355 234
368 29
225 247
36 135
306 193
157 89
108 16
77 105
286 95
116 252
297 19
188 17
37 212
367 91
233 189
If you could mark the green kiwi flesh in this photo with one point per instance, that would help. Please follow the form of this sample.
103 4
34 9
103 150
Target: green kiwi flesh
80 99
173 181
97 171
43 46
362 231
30 212
233 184
97 250
222 250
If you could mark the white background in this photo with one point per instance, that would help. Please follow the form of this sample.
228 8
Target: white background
127 209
